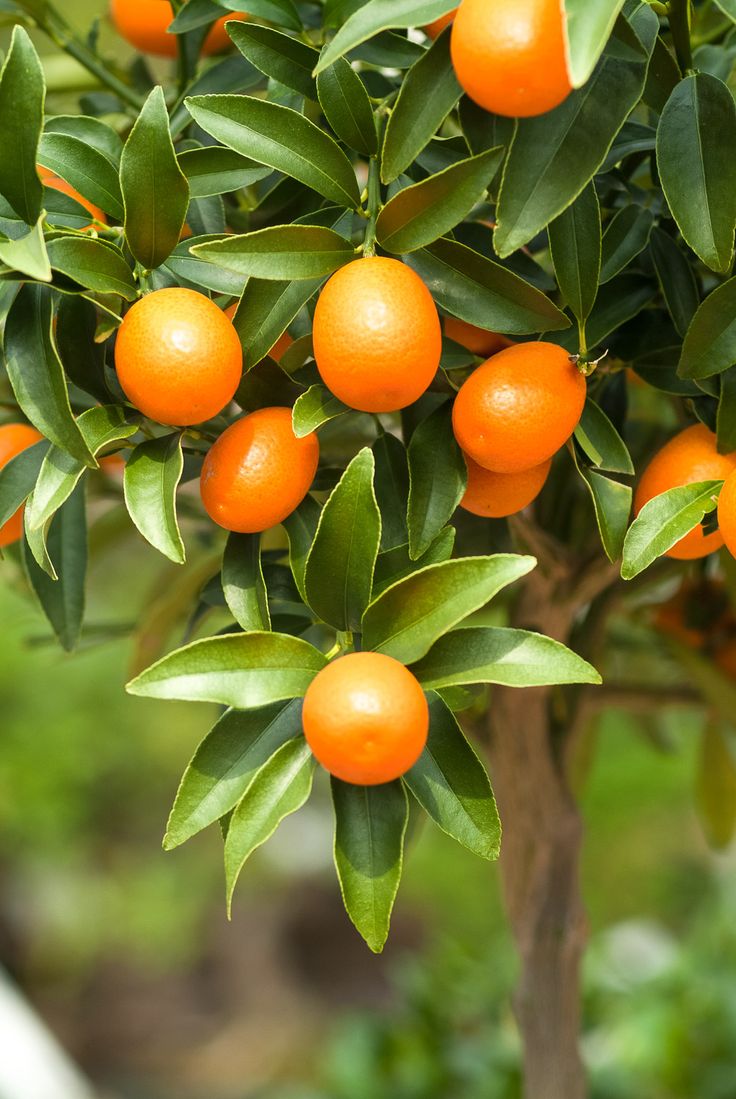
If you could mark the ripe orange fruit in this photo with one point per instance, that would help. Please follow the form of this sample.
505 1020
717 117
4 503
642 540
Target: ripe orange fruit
518 408
496 495
283 343
13 439
510 55
178 357
377 338
478 340
365 718
436 27
143 24
258 472
689 457
50 179
727 513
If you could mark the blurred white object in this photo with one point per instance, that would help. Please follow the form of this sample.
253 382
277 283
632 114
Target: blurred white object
32 1064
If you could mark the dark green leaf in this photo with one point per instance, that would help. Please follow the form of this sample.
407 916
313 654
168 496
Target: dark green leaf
601 442
279 56
626 236
392 489
437 476
22 94
726 418
94 264
243 584
347 108
216 171
82 357
266 310
92 131
152 475
62 600
394 564
575 243
710 343
18 477
612 503
676 277
301 527
87 169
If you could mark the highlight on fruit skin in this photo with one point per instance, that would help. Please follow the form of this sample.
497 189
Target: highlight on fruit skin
14 438
365 718
480 341
50 179
144 24
377 337
689 457
727 513
510 56
517 409
258 472
178 357
498 495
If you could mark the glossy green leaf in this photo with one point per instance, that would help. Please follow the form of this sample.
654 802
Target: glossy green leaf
225 764
22 95
416 216
281 138
301 527
428 93
87 169
601 442
18 477
216 171
339 571
394 564
197 273
575 243
437 476
280 252
664 521
347 107
315 407
36 374
676 278
62 599
266 310
27 254
92 131
280 787
370 825
710 343
513 658
151 480
391 483
612 503
450 783
588 27
245 670
155 190
407 619
381 15
243 583
484 293
94 264
728 7
695 136
82 357
626 236
277 55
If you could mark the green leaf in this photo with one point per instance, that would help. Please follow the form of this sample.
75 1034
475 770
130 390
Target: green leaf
428 93
418 215
391 483
588 27
347 107
62 599
370 825
225 764
87 169
280 787
695 136
27 254
243 583
245 670
339 572
513 658
626 236
728 7
36 373
281 138
280 252
450 783
715 785
189 270
91 131
601 442
151 480
394 564
266 310
554 156
726 416
60 472
381 15
18 477
315 407
575 243
676 278
94 264
617 302
663 521
438 477
155 190
22 95
484 293
612 503
301 527
277 55
82 357
710 343
407 619
217 171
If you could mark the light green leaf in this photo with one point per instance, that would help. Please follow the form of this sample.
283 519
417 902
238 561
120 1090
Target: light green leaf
280 252
151 480
315 407
381 15
94 264
588 27
601 442
243 583
663 521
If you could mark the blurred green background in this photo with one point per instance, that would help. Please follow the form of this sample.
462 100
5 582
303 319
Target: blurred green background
127 955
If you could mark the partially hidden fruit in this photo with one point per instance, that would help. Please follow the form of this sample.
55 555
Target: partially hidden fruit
50 179
258 471
518 408
283 343
689 457
13 439
377 337
144 23
365 718
497 495
510 55
178 357
698 615
436 27
727 513
478 340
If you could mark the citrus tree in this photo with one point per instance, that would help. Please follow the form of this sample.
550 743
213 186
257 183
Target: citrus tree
365 314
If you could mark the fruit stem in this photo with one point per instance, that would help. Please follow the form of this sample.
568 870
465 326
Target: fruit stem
679 15
374 205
